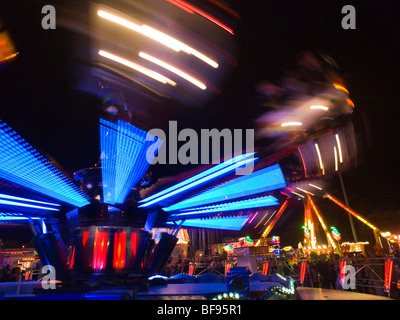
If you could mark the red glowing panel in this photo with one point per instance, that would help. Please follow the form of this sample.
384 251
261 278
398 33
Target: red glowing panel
191 269
388 273
85 237
265 268
342 271
303 271
119 250
100 250
133 243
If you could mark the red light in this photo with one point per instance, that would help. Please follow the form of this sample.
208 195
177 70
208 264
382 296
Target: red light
227 9
342 270
133 243
265 268
303 268
183 7
228 267
253 217
100 250
119 250
71 264
85 237
187 7
388 273
191 269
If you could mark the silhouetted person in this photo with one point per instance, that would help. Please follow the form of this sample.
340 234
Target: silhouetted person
323 267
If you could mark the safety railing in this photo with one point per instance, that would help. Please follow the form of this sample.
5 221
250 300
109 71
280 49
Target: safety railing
364 275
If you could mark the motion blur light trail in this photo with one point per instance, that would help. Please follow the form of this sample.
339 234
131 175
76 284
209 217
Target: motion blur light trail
158 36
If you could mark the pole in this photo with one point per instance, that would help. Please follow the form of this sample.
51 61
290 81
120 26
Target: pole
347 204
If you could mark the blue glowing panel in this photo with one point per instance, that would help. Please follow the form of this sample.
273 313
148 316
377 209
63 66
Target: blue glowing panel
126 154
225 223
21 164
267 179
199 179
230 206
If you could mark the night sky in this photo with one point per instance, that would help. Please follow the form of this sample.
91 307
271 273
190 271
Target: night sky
37 99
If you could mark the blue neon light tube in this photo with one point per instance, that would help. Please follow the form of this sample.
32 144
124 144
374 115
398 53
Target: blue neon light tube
230 206
267 179
195 181
16 219
25 205
198 176
7 196
126 154
21 164
224 223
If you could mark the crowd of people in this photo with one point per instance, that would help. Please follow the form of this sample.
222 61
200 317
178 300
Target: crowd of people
175 266
323 271
9 274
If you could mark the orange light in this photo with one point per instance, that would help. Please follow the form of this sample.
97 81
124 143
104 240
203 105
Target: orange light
7 49
321 221
351 212
351 103
265 268
228 267
340 87
302 160
274 220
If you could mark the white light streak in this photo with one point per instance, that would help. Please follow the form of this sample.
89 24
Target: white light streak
315 186
305 191
318 107
339 148
158 36
336 159
137 67
320 159
293 123
173 69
